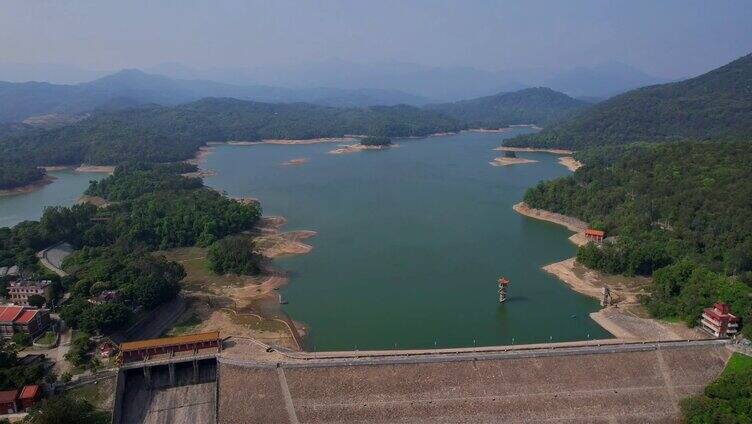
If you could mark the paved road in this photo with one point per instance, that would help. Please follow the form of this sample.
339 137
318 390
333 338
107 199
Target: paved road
404 358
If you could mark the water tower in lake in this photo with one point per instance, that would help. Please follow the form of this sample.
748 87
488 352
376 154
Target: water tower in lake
503 283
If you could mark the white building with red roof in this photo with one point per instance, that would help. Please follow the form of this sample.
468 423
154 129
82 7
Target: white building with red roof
719 321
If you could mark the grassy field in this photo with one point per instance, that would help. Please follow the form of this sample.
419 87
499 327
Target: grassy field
737 363
47 338
198 276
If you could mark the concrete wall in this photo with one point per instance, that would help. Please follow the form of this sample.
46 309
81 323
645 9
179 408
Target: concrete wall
616 387
158 400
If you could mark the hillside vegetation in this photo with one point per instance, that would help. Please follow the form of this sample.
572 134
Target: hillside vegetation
165 134
715 105
539 106
681 212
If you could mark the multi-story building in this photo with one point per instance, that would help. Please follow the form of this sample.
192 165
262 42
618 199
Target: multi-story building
719 321
20 290
21 319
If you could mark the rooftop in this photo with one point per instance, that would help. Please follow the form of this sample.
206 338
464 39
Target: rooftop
170 341
26 316
592 232
9 313
29 392
30 283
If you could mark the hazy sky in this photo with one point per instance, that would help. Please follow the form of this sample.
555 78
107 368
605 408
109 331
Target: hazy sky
664 38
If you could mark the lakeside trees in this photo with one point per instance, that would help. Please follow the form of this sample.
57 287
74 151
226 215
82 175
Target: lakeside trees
234 254
14 175
156 208
376 141
169 134
666 204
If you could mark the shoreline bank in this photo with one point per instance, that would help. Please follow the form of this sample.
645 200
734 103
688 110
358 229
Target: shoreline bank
502 161
531 149
28 188
625 318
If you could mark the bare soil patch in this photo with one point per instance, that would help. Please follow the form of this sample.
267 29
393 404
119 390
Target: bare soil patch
570 163
502 161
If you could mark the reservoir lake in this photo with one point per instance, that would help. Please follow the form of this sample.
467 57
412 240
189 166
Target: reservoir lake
67 187
411 241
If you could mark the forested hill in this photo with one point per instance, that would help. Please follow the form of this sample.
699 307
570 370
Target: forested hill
717 104
163 134
540 106
682 212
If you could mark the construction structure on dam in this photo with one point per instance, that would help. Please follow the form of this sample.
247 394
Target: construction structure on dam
245 381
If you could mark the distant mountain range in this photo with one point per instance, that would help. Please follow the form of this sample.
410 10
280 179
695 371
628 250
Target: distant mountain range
332 83
540 106
443 84
717 104
128 88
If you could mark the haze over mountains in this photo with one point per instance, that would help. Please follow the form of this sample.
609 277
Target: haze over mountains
19 101
333 82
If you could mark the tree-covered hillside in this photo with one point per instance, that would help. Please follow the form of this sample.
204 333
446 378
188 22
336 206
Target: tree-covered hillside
164 134
715 105
539 106
681 212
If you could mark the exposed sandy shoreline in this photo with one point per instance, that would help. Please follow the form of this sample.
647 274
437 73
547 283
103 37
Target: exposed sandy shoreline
530 149
504 161
626 318
36 185
353 148
105 169
297 161
571 163
572 224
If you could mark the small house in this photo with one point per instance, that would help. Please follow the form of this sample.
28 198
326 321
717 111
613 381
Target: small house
595 235
19 291
29 396
106 349
9 401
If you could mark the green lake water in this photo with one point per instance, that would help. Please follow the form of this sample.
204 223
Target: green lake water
411 241
63 191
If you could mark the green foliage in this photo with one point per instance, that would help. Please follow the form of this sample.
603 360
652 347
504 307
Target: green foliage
684 289
21 339
540 106
376 141
687 204
726 400
65 409
80 347
652 197
234 254
37 301
14 175
130 181
13 375
168 134
169 219
140 277
717 104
